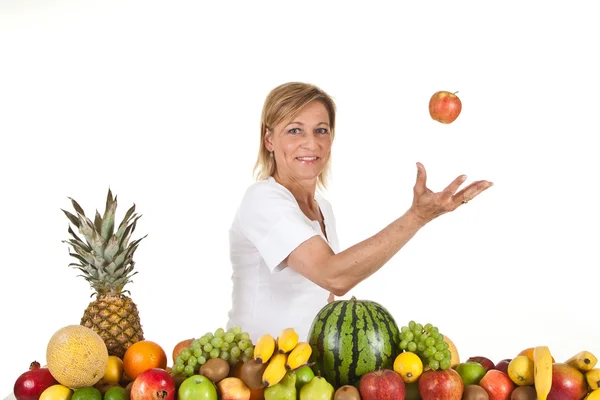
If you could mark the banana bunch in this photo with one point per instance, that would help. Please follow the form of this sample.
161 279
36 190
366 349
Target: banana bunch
282 354
585 362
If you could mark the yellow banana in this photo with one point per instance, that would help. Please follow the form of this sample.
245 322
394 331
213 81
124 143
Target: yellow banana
593 395
275 370
299 355
593 378
583 361
542 371
287 340
264 348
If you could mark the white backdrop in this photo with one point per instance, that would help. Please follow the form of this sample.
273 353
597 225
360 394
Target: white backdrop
160 101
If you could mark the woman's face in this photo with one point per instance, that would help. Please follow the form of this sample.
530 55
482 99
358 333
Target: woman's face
302 147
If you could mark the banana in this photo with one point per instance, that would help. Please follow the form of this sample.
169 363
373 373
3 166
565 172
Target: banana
593 395
275 370
593 378
264 348
542 371
287 340
583 361
299 355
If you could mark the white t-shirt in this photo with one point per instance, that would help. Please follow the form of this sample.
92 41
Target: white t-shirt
268 296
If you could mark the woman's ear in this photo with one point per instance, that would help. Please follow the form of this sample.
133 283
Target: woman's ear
268 139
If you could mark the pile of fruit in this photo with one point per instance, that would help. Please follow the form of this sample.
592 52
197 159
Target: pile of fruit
354 350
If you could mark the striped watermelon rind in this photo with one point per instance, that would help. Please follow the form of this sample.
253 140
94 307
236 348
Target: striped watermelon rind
350 338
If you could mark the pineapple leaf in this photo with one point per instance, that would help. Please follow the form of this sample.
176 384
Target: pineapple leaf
110 269
98 244
128 214
79 257
86 228
74 220
97 221
77 207
119 260
112 247
78 240
108 220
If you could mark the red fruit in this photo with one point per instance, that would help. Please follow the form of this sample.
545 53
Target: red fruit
153 384
485 362
497 384
31 384
441 384
384 384
503 365
444 107
567 383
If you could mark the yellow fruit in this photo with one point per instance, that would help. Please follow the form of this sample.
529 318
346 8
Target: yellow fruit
56 392
454 357
287 340
542 371
520 370
409 366
299 356
76 356
583 361
593 378
264 348
593 395
275 370
114 371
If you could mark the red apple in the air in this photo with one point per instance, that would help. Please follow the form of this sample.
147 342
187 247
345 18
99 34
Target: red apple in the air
441 384
484 361
567 383
383 384
444 106
153 384
502 365
497 384
30 384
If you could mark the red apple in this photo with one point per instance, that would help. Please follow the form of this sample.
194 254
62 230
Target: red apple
441 384
444 107
484 361
153 384
497 384
567 383
503 365
30 384
383 384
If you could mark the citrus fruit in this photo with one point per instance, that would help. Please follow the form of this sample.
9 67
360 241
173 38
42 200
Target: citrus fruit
114 371
304 375
520 370
143 355
76 356
56 392
87 393
116 393
409 366
529 353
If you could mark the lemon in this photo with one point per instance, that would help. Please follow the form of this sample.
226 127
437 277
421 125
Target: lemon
56 392
520 370
114 371
409 366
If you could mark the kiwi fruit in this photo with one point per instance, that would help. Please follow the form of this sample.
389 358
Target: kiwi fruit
346 392
524 393
215 369
475 392
251 373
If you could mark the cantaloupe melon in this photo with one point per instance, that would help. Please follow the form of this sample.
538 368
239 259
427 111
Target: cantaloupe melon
454 356
76 356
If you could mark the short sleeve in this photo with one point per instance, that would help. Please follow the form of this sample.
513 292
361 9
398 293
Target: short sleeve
272 220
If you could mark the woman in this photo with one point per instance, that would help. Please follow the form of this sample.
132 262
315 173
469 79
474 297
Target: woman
283 242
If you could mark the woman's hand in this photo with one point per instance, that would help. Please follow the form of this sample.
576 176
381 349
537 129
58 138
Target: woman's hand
428 205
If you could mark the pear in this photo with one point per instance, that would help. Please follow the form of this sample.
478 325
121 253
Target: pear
317 389
284 389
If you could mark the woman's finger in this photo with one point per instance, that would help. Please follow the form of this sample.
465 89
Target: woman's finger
454 185
421 183
471 191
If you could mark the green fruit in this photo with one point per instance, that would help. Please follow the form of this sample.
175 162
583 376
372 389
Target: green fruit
470 372
303 376
350 338
116 393
87 393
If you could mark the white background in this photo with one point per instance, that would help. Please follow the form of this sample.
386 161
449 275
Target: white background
160 101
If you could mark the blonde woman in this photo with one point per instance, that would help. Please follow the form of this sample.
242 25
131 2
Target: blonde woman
283 243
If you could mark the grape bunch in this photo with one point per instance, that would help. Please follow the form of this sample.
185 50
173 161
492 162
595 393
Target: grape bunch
232 345
426 342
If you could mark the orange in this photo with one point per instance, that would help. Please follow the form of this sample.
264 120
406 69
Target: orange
143 355
529 353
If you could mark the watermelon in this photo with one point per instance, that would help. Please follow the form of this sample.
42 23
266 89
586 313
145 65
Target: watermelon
350 338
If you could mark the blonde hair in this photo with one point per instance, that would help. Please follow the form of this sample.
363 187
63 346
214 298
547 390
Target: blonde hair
284 103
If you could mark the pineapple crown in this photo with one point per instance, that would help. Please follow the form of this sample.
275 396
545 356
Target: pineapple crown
106 256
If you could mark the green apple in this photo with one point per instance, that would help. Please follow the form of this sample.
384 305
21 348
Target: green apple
197 387
470 372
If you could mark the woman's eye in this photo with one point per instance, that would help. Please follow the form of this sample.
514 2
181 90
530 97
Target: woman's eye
322 130
293 131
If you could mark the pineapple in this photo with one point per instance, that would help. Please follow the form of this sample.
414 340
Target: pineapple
105 258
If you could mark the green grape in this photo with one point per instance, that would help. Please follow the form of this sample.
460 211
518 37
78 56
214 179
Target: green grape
409 336
434 330
225 346
208 347
404 344
430 342
421 347
192 361
423 338
404 329
249 352
439 356
201 360
235 351
224 355
411 325
185 354
178 368
209 336
430 351
205 354
229 337
243 344
434 364
445 364
418 328
440 346
237 330
232 360
214 353
217 342
195 346
427 327
220 332
179 360
401 336
245 336
188 370
203 341
245 358
412 346
197 353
